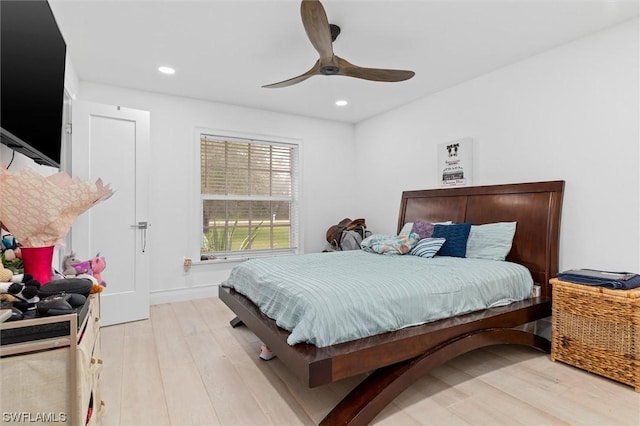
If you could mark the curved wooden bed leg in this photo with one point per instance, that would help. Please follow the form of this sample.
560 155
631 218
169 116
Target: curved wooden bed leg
236 322
375 392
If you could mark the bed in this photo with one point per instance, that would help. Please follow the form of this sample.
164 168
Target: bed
392 361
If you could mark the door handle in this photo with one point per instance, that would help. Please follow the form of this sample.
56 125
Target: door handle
143 236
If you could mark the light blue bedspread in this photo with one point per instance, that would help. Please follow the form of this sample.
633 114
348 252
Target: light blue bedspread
329 298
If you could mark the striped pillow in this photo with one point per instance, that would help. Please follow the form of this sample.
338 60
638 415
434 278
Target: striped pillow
491 241
427 247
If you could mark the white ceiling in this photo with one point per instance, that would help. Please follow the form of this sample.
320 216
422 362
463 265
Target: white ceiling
224 51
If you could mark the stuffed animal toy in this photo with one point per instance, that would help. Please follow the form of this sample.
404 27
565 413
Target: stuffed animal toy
9 246
22 287
97 288
90 269
67 264
8 240
10 255
5 274
72 266
98 264
83 267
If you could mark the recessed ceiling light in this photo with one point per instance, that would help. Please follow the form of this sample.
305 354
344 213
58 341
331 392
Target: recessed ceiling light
166 70
341 102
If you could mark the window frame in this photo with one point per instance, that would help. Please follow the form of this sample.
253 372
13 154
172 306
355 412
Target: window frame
296 177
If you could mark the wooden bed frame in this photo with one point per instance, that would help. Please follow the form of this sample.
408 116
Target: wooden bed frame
397 359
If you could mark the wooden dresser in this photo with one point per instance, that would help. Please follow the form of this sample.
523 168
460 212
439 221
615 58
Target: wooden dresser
50 369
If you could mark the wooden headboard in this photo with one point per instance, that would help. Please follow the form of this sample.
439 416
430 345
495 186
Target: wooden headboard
535 206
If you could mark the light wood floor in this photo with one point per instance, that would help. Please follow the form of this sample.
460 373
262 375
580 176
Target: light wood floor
187 366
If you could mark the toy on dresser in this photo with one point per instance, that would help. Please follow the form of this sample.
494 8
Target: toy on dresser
22 287
9 247
91 269
73 266
19 293
10 252
98 264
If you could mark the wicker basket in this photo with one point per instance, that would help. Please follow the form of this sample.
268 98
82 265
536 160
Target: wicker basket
597 329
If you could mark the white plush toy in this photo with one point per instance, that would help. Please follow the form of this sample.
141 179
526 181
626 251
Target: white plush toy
21 286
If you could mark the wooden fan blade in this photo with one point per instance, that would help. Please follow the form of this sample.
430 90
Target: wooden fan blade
315 70
374 74
316 24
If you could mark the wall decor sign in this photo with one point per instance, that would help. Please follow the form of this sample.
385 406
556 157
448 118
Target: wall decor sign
455 162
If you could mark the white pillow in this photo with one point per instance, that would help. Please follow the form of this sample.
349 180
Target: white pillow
406 229
491 241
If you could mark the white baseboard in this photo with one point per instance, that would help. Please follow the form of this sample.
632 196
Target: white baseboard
181 294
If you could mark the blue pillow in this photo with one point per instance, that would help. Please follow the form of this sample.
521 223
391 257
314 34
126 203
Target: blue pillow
427 247
456 236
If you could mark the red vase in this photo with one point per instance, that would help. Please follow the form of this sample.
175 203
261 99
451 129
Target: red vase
38 262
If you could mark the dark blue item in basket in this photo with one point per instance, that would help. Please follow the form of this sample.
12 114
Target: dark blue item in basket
608 279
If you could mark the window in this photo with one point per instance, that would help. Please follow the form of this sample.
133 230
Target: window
249 196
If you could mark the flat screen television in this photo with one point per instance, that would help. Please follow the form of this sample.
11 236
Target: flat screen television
32 66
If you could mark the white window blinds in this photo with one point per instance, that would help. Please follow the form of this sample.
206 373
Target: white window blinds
249 195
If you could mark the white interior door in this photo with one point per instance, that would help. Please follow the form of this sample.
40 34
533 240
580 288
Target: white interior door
112 143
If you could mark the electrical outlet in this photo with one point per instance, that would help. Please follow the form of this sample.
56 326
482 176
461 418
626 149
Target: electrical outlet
186 263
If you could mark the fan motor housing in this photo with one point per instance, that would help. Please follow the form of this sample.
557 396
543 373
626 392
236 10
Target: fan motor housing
329 70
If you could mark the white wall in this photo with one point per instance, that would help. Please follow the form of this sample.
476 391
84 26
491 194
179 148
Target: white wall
174 191
570 113
19 161
16 162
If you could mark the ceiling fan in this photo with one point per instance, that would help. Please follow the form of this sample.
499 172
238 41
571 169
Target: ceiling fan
322 35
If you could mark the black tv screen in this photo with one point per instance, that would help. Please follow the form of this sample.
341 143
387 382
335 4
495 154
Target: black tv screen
32 66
